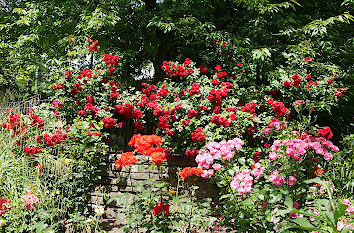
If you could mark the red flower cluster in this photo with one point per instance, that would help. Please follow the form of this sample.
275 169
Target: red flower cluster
217 95
108 122
77 87
138 125
148 89
219 120
36 120
81 113
60 85
160 207
203 70
250 107
68 75
14 123
325 133
287 84
90 108
127 110
126 159
180 71
194 89
189 171
192 113
86 73
296 79
111 60
4 205
198 135
215 82
94 46
32 151
255 156
221 75
55 139
338 93
227 85
163 91
278 107
191 153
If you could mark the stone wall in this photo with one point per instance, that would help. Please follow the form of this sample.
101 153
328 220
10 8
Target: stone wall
114 182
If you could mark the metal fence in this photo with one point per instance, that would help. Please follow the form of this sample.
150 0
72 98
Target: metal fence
22 106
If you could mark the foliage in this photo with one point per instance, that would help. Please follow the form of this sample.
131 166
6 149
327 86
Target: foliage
40 160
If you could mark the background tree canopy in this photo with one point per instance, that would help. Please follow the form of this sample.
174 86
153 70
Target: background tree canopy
267 36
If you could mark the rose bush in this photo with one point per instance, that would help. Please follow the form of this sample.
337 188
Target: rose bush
258 140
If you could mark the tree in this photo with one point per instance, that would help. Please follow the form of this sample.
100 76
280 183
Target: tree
39 34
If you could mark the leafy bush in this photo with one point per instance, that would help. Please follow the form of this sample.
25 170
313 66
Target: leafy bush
44 174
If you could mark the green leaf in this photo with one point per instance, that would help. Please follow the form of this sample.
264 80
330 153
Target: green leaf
304 224
289 202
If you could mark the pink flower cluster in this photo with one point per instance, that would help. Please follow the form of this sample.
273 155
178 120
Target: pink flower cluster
298 147
350 209
30 200
277 179
242 182
216 151
275 124
257 170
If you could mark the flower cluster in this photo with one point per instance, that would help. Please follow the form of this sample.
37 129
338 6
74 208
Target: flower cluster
4 205
242 182
194 89
149 145
198 135
128 111
29 200
296 79
257 170
219 120
161 207
14 123
299 147
275 124
207 158
325 133
55 139
126 159
32 151
278 107
250 107
172 70
111 61
218 95
94 46
189 171
108 122
277 179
